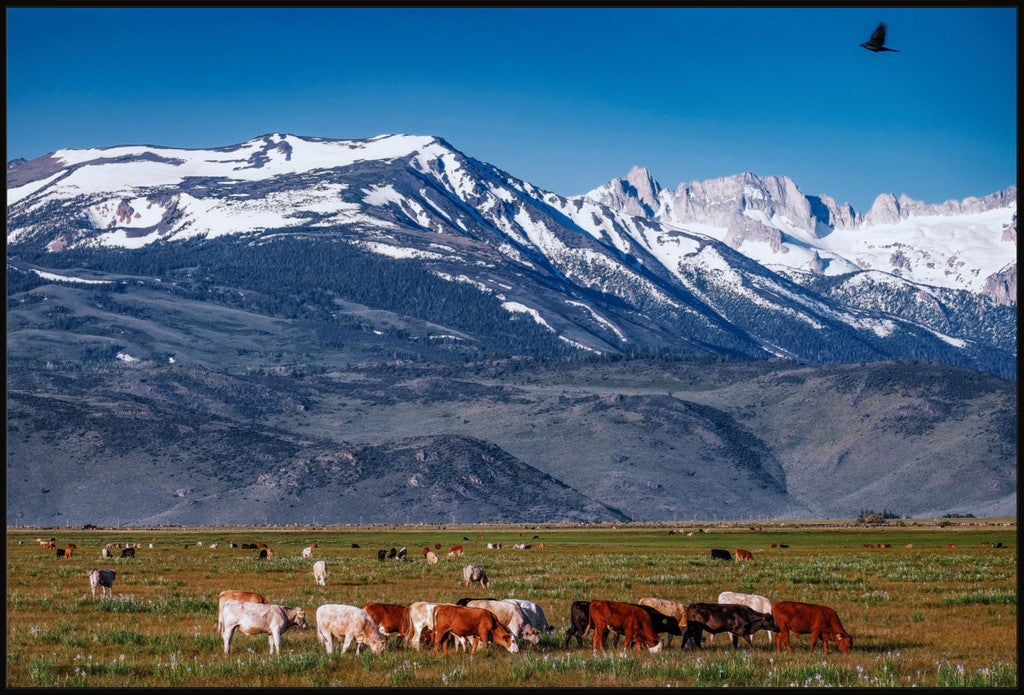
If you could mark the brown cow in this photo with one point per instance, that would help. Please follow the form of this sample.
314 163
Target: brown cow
455 551
742 554
478 623
803 618
628 618
389 616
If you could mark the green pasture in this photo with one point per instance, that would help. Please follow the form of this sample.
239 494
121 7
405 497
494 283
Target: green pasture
930 615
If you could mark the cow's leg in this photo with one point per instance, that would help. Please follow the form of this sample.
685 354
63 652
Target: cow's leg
329 642
815 634
226 636
346 643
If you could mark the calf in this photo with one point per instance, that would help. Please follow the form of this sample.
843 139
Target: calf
320 573
103 579
761 604
478 624
258 619
475 573
802 618
128 552
720 554
349 623
631 620
739 621
390 617
579 622
742 554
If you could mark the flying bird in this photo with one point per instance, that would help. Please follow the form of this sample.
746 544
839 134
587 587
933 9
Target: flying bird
877 41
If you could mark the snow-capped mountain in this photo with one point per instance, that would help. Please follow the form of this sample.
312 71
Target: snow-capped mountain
963 245
743 265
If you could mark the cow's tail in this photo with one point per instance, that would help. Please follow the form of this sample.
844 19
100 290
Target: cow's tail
406 628
320 636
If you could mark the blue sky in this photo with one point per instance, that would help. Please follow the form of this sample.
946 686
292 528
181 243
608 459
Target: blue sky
566 98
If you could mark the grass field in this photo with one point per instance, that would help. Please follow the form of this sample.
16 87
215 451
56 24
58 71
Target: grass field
930 615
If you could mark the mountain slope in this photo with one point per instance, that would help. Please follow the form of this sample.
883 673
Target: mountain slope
594 277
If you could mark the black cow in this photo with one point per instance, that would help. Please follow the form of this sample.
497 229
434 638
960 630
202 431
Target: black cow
128 552
719 554
402 553
739 621
579 618
265 554
382 554
393 554
355 545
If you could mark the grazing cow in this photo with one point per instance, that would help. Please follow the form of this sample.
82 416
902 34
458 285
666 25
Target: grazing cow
475 573
540 546
533 613
494 546
233 595
348 623
320 573
520 546
419 616
213 546
909 546
105 552
431 558
308 550
508 614
103 579
248 546
742 554
382 555
821 622
437 546
720 554
759 603
455 551
631 620
233 545
128 552
258 619
579 622
49 545
951 545
783 545
738 620
265 554
478 624
673 609
885 545
392 554
390 617
426 550
869 545
986 544
355 545
402 553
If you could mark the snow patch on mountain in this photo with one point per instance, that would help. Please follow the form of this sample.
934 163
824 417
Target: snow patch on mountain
518 308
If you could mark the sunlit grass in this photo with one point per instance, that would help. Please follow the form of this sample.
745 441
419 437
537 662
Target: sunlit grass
931 616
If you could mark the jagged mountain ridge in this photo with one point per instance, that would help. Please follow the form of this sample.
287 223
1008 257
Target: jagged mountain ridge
598 277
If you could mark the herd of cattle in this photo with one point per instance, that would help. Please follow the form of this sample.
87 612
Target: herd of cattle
472 623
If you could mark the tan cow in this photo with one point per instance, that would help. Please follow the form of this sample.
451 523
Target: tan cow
475 573
234 595
320 573
258 619
348 623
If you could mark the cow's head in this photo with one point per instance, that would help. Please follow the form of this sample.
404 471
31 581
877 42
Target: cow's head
506 639
844 641
529 634
764 622
376 641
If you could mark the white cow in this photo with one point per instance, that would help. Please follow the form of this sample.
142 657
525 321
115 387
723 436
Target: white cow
475 573
533 613
105 552
103 579
431 558
320 572
307 551
348 623
258 619
761 604
673 609
511 616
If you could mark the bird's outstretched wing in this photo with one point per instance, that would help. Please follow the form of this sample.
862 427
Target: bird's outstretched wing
878 38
